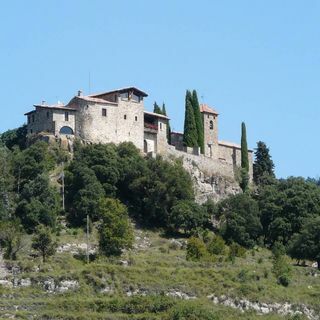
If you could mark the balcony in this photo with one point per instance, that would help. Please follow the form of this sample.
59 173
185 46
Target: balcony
150 127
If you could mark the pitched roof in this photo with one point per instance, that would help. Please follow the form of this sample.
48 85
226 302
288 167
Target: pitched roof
93 99
206 109
231 145
120 91
57 106
156 115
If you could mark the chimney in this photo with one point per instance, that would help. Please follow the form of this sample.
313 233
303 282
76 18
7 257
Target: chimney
43 103
80 93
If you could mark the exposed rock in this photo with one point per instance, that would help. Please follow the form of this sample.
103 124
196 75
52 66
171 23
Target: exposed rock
22 282
6 283
180 295
76 248
265 308
66 285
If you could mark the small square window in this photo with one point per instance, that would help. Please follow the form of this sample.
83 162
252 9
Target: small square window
125 117
104 112
136 118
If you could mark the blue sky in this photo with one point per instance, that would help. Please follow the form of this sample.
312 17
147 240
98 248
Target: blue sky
254 61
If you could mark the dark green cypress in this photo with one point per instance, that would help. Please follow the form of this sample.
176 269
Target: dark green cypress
164 112
156 108
198 120
244 159
190 136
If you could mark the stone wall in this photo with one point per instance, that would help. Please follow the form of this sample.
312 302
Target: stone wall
123 122
210 134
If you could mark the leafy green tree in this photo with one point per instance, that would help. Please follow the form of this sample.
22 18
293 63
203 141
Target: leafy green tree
280 266
196 249
285 206
188 215
198 120
242 220
115 231
190 134
263 166
39 203
158 190
83 194
43 242
7 196
156 108
306 244
244 159
11 238
16 137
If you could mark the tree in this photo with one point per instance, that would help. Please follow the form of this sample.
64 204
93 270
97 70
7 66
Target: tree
43 242
39 203
11 238
285 206
244 159
115 231
164 112
196 249
188 215
156 108
190 134
242 220
15 137
198 120
306 245
263 166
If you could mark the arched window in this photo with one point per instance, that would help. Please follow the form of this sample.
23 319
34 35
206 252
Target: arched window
211 125
66 130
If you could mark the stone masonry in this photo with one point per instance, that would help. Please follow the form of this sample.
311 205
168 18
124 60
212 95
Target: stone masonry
118 116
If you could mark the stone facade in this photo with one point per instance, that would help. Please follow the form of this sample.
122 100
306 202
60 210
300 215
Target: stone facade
118 116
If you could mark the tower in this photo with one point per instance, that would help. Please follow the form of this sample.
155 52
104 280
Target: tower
210 127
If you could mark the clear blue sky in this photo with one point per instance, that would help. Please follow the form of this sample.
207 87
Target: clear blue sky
254 61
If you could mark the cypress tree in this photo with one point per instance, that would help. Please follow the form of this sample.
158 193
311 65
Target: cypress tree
244 148
156 108
263 165
198 120
190 136
164 112
244 159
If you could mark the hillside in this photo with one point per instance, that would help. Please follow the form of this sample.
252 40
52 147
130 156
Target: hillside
153 281
155 251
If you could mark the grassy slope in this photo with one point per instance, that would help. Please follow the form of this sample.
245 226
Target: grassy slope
154 270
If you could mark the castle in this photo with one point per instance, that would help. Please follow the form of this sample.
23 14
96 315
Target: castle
118 115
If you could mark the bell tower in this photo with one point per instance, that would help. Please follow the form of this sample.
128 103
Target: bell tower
210 127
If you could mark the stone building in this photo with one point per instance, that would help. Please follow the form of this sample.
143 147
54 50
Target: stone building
118 116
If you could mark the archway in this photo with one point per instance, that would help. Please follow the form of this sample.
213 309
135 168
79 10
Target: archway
66 130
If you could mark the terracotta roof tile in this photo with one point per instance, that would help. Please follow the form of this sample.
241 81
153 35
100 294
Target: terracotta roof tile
205 108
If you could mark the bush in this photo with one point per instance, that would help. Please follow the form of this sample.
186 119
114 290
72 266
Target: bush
281 269
115 230
216 246
235 250
196 249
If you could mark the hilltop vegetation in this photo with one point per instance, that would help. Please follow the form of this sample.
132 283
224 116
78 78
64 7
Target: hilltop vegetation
238 247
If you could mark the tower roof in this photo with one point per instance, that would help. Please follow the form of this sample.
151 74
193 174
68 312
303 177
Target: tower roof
204 108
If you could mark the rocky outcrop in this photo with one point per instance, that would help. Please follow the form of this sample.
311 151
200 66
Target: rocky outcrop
285 309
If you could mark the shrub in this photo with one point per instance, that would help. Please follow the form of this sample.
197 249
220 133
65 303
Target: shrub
196 249
216 246
281 269
235 250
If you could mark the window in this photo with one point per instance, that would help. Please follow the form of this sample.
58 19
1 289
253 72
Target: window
124 95
66 116
125 117
160 126
135 98
33 118
29 119
211 125
136 118
31 131
104 112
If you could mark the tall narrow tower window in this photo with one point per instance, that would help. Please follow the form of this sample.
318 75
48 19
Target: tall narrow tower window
66 116
211 125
